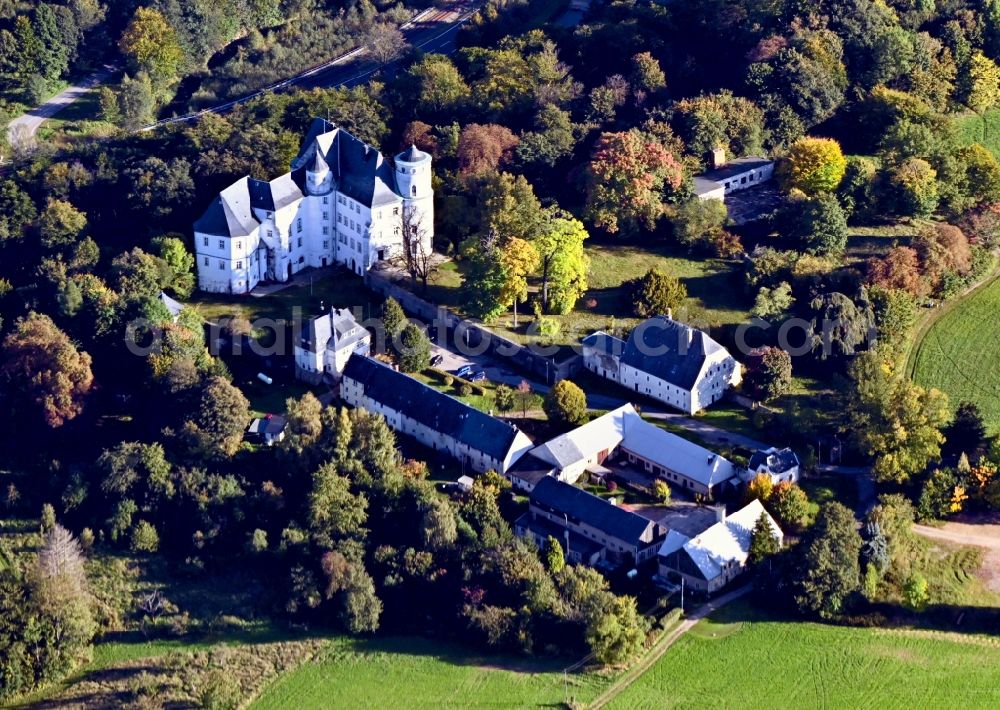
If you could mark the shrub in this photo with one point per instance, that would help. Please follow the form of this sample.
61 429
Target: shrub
465 389
144 538
219 691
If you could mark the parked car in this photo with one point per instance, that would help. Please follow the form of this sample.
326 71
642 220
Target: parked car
437 360
464 371
477 376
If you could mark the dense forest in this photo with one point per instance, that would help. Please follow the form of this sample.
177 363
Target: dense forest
544 140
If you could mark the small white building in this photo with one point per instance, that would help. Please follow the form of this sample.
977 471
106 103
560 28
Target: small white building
342 203
782 465
710 560
666 360
727 177
327 343
477 440
268 430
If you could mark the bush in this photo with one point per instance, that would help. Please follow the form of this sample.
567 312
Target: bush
465 389
144 538
219 691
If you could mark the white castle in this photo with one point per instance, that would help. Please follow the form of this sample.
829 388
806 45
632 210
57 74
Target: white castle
342 202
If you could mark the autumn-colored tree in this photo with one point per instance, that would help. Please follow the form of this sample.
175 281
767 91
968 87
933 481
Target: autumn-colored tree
438 83
759 488
629 175
421 135
899 269
518 259
150 44
217 426
61 224
982 85
894 421
768 373
814 165
943 249
484 147
914 188
41 364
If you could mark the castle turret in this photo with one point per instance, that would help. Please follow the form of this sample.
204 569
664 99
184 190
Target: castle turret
413 174
319 179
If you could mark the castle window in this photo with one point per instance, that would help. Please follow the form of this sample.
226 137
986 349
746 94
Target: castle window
413 190
326 199
222 264
326 230
239 264
395 211
206 261
326 244
239 245
298 225
326 215
206 241
300 241
222 244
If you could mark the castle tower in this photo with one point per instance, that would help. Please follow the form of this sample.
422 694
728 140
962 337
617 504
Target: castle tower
319 179
413 180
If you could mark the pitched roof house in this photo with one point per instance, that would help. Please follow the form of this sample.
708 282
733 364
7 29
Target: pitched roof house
623 432
779 464
443 423
589 528
667 360
710 560
327 342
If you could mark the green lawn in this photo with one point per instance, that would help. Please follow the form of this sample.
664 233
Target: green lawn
418 673
715 292
328 287
973 128
744 658
960 353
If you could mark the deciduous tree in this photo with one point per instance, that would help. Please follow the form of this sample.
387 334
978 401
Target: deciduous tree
814 165
566 403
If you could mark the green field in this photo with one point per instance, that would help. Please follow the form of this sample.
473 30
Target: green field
419 673
745 659
973 128
960 353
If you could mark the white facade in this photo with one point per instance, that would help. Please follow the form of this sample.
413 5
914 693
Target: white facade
677 365
327 343
728 177
342 203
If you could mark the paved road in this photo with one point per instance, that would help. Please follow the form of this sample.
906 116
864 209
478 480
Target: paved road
33 119
665 643
433 30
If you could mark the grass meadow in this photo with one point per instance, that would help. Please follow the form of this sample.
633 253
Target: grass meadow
960 353
409 672
744 658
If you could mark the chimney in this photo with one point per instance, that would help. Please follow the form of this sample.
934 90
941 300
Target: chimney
718 158
720 513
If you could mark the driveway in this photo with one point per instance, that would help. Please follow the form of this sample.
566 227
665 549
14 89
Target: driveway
27 125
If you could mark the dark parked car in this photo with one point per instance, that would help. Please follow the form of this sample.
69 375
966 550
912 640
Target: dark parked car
464 371
437 360
477 376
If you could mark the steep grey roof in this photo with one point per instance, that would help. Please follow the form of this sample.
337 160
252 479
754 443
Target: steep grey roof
412 155
560 498
668 350
604 343
776 461
230 214
317 333
432 408
360 171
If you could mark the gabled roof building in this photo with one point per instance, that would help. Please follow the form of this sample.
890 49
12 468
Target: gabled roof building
666 360
710 560
476 439
342 202
327 342
590 529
